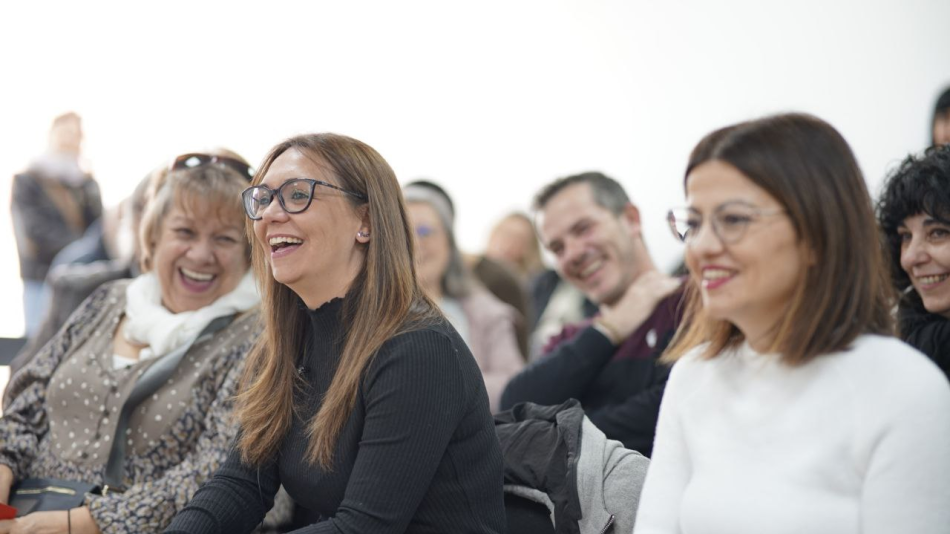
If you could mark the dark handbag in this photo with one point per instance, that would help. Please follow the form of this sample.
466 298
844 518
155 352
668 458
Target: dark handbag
47 494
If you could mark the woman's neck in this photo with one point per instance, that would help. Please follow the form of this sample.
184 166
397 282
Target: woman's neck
433 291
760 338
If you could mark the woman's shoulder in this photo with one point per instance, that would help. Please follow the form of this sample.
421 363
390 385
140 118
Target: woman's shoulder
694 359
431 353
876 363
108 296
249 321
434 344
928 332
885 355
239 335
435 337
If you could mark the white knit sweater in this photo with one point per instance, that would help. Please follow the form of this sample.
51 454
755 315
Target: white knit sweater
852 442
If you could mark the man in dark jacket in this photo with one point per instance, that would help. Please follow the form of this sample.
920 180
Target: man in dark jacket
610 363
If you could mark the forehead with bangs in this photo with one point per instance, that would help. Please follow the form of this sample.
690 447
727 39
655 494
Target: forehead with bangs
199 200
198 192
921 185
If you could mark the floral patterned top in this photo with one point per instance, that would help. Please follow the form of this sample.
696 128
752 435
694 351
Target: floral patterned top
62 410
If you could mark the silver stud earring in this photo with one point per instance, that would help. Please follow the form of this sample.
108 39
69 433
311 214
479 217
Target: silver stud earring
362 234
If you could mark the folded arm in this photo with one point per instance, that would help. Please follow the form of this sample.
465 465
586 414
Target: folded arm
566 372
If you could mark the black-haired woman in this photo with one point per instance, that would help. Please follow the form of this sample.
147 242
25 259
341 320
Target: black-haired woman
914 214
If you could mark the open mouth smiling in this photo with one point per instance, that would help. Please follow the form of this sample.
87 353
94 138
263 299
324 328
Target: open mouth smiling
195 280
282 242
932 279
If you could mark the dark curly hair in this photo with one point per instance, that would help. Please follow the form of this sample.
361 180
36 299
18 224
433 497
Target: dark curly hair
920 185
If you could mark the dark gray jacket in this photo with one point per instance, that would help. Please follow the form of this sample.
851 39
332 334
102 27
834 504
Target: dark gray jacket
554 455
40 222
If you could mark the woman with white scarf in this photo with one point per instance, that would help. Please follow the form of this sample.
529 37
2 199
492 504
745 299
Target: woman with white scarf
62 410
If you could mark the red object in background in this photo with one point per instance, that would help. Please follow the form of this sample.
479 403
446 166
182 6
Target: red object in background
7 512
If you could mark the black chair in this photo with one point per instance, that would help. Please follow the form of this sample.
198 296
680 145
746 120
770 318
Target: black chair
9 347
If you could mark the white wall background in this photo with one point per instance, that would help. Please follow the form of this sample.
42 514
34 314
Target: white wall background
491 98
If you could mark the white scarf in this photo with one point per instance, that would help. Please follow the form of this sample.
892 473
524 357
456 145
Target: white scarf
149 323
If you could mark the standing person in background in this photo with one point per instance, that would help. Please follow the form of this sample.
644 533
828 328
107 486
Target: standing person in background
914 214
791 408
360 397
486 324
609 364
53 203
69 285
940 126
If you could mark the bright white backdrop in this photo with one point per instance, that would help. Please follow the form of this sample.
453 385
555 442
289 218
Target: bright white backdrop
491 98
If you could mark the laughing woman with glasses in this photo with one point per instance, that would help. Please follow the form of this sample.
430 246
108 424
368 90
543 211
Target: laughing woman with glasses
359 398
791 408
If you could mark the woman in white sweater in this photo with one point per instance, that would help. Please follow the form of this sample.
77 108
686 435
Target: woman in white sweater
791 408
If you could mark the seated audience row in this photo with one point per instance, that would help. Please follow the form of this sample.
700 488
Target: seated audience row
361 397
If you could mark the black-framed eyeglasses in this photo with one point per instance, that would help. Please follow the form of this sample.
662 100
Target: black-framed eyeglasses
294 196
729 221
190 161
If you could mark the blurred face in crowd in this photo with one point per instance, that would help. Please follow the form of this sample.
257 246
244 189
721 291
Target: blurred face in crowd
199 256
925 257
593 247
510 241
317 252
432 245
747 271
66 135
942 128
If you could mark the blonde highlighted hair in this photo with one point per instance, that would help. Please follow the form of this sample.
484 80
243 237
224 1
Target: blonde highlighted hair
207 188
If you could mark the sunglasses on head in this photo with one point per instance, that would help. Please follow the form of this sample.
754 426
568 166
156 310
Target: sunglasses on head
190 161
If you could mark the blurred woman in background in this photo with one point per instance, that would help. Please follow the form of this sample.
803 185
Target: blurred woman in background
486 324
514 242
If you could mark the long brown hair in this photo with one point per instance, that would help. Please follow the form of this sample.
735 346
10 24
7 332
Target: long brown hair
383 300
805 164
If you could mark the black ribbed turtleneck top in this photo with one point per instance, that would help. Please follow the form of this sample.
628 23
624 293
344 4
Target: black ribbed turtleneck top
418 453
